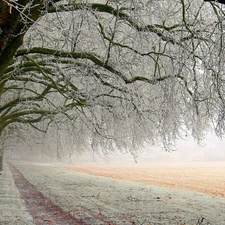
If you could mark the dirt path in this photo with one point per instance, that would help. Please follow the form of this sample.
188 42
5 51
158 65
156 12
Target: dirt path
42 210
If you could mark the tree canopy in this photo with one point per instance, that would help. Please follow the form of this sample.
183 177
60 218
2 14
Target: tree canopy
122 72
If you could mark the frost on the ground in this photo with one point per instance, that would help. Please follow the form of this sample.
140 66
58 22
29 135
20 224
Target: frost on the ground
12 208
100 200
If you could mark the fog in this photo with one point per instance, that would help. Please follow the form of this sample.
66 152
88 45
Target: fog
211 149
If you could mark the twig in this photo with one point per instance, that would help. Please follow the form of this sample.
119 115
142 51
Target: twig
200 220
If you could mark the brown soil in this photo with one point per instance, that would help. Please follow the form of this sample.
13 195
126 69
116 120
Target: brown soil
207 178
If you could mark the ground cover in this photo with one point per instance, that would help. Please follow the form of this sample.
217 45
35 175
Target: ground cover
100 200
42 210
12 207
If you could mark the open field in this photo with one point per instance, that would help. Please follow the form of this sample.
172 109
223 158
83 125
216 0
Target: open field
98 200
205 177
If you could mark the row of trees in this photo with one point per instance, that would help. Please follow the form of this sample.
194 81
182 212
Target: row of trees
121 73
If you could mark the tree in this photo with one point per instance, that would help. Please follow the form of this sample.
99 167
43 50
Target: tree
220 1
122 72
8 137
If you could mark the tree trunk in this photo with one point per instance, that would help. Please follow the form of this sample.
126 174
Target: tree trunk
14 24
1 161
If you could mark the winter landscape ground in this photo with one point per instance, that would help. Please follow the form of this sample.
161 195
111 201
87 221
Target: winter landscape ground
85 198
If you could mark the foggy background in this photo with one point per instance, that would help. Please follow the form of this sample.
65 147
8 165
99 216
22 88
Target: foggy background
46 148
210 149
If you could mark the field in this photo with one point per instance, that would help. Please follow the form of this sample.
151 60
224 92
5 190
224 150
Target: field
62 194
205 177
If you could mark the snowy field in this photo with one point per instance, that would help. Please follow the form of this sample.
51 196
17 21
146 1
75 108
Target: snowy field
100 200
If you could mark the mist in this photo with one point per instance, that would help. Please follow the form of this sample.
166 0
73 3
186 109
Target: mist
211 149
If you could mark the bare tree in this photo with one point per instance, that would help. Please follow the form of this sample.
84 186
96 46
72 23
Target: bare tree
122 72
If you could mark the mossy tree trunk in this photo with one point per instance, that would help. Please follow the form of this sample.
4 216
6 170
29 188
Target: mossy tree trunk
14 27
1 160
1 152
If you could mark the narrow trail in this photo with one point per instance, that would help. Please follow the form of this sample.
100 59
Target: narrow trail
41 209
